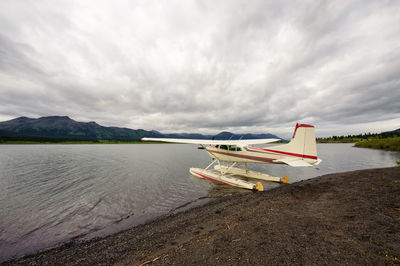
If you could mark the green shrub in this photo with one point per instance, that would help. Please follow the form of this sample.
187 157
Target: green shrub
390 144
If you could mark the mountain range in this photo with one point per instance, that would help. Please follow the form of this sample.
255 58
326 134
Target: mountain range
63 127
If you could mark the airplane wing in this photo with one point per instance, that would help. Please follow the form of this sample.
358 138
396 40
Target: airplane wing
295 162
241 142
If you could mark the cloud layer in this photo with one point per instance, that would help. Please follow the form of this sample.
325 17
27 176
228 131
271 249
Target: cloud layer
201 66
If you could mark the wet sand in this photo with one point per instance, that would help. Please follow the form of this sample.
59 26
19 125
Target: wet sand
344 218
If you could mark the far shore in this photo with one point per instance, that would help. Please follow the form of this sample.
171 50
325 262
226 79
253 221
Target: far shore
335 219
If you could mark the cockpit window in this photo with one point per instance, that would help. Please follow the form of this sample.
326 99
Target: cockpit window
228 147
234 148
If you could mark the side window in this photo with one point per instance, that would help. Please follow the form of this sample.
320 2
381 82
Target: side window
224 147
234 148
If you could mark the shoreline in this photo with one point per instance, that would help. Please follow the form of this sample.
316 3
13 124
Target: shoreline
343 218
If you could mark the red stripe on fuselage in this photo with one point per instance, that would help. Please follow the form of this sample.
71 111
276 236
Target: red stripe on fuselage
254 158
285 153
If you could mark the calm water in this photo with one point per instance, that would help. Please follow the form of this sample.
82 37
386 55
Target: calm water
50 194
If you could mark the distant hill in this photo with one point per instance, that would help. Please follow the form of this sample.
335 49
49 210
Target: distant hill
187 136
228 135
63 127
396 131
224 135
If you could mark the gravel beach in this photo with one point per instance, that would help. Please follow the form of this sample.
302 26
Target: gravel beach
344 218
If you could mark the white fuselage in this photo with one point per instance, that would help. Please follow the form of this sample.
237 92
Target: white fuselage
255 155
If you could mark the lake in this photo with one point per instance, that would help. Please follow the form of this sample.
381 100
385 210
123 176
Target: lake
50 194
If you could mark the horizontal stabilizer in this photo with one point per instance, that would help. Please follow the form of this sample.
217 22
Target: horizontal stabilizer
295 162
241 142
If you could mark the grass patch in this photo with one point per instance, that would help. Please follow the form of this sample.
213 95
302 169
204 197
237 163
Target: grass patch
389 254
388 144
393 186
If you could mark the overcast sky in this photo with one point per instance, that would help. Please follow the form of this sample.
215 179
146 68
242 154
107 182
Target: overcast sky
204 66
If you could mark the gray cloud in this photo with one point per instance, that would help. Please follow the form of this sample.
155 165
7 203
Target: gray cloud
201 66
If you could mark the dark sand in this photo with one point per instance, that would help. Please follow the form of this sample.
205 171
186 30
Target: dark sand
346 218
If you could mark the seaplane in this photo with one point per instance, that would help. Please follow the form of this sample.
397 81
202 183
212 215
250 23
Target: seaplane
301 151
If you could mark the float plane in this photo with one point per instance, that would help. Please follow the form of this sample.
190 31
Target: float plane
301 151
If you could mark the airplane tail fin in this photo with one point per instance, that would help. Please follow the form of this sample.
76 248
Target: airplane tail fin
303 140
302 145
